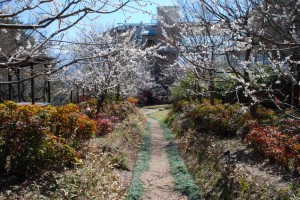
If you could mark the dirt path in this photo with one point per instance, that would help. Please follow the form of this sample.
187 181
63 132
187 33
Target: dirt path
158 181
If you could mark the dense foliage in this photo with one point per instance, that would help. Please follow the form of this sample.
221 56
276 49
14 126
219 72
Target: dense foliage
220 119
279 146
34 138
270 135
222 142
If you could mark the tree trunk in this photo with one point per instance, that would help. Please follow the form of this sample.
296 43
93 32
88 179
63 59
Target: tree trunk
247 57
293 96
211 88
71 96
118 97
77 94
297 96
100 102
253 111
197 91
253 105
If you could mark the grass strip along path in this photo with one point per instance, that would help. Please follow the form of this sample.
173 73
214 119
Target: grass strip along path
166 176
183 180
137 189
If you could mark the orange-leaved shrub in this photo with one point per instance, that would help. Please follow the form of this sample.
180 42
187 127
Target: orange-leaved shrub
68 122
119 109
111 113
132 100
34 138
111 109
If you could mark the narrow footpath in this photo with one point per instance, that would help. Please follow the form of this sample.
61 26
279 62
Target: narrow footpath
158 181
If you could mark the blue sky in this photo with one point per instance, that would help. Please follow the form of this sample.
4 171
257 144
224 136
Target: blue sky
141 14
145 17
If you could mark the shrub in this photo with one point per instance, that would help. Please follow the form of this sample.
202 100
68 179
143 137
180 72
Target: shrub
89 108
68 122
289 126
270 142
132 100
222 120
114 110
183 105
104 126
119 109
114 119
34 138
185 88
112 113
85 127
266 114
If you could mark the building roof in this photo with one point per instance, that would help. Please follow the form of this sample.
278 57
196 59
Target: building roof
23 62
150 31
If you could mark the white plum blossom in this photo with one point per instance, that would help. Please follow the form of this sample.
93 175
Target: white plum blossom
29 46
119 68
18 36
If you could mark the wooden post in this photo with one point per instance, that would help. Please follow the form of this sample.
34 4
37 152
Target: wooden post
9 86
48 86
19 85
49 91
45 84
32 84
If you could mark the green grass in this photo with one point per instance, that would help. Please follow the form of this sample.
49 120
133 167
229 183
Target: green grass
160 115
165 106
183 180
136 189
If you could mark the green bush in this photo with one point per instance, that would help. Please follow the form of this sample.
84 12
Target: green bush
221 119
266 114
185 89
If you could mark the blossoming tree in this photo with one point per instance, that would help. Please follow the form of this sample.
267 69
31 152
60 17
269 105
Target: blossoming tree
118 65
250 45
31 29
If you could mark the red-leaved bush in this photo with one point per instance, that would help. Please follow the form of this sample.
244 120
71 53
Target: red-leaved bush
279 147
104 126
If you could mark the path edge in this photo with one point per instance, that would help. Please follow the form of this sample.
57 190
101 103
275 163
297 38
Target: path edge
183 180
136 189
